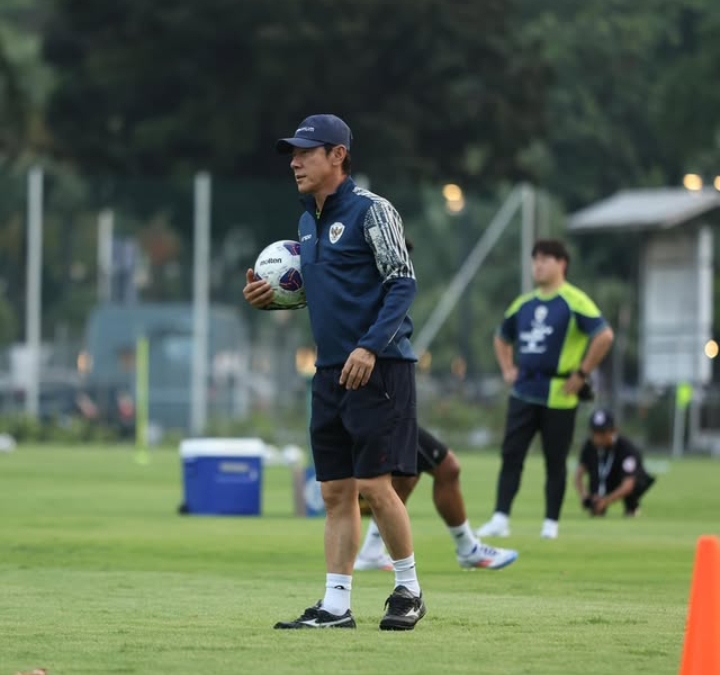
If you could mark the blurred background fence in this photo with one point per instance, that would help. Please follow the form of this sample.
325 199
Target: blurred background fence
582 99
117 264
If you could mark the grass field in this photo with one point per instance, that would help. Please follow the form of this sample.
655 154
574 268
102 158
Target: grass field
99 575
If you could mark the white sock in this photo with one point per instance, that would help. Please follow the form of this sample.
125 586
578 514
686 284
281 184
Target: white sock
337 593
550 528
501 518
463 537
406 574
373 545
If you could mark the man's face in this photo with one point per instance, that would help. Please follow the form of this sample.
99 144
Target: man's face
603 439
313 167
547 269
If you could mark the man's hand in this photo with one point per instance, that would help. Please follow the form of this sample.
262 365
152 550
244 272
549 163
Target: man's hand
599 506
587 502
573 384
358 368
510 375
258 292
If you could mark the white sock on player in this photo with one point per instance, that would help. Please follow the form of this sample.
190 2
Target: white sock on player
337 593
463 537
373 545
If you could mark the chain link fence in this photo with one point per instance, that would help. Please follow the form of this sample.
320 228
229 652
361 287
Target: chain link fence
118 262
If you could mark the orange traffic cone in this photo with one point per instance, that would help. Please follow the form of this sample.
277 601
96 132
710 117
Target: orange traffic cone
701 651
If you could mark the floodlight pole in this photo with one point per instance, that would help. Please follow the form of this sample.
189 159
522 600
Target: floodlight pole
527 237
467 271
678 427
543 214
33 318
201 302
618 359
106 225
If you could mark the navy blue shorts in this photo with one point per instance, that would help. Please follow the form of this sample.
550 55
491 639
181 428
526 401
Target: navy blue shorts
431 452
365 432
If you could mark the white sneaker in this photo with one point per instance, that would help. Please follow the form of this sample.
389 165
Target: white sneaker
494 528
380 562
487 557
549 529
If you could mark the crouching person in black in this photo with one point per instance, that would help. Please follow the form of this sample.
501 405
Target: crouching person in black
613 466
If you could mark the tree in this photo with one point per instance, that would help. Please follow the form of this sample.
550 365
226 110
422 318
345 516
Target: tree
689 114
612 116
433 89
13 109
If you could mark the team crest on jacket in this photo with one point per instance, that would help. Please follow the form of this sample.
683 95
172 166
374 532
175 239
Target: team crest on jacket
336 231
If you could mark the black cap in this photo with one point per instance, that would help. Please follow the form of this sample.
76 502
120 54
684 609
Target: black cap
315 131
602 420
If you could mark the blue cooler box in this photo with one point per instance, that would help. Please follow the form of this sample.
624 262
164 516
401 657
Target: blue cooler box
222 476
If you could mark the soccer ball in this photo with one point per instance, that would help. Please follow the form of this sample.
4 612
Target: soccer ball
279 265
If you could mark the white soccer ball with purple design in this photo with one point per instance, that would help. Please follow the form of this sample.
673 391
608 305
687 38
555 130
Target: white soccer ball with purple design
279 265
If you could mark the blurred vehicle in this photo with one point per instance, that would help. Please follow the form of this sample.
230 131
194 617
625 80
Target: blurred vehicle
108 363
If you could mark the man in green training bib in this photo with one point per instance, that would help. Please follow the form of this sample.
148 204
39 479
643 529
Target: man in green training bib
548 343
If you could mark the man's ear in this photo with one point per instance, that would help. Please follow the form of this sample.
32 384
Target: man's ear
339 153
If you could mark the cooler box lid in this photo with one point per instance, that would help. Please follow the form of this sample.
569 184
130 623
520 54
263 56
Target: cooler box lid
222 447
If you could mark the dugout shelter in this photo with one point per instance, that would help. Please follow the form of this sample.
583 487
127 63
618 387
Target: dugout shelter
674 228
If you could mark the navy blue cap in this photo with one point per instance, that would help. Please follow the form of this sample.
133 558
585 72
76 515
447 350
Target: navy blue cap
602 420
315 131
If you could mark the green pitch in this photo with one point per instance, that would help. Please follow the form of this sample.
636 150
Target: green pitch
99 575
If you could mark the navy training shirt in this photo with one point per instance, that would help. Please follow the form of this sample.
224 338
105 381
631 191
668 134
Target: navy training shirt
359 279
550 333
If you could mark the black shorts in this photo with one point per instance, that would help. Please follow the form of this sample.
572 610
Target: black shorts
430 451
365 432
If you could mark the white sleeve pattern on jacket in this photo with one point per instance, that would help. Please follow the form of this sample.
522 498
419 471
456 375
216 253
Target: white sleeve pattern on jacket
385 234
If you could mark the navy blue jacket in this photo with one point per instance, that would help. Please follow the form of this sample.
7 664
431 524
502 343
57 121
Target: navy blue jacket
359 280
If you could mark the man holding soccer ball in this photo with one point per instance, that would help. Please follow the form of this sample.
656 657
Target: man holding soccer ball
359 285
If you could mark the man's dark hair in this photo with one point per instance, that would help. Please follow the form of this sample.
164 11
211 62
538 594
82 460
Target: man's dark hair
347 164
552 247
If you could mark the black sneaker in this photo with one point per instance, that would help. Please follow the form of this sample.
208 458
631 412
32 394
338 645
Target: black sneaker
403 610
317 617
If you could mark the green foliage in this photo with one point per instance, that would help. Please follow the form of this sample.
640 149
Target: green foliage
446 86
8 322
582 97
458 90
61 429
22 427
12 111
262 424
455 418
688 114
657 420
632 102
24 81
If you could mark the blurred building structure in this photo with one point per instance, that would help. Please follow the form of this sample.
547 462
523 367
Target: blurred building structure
673 229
